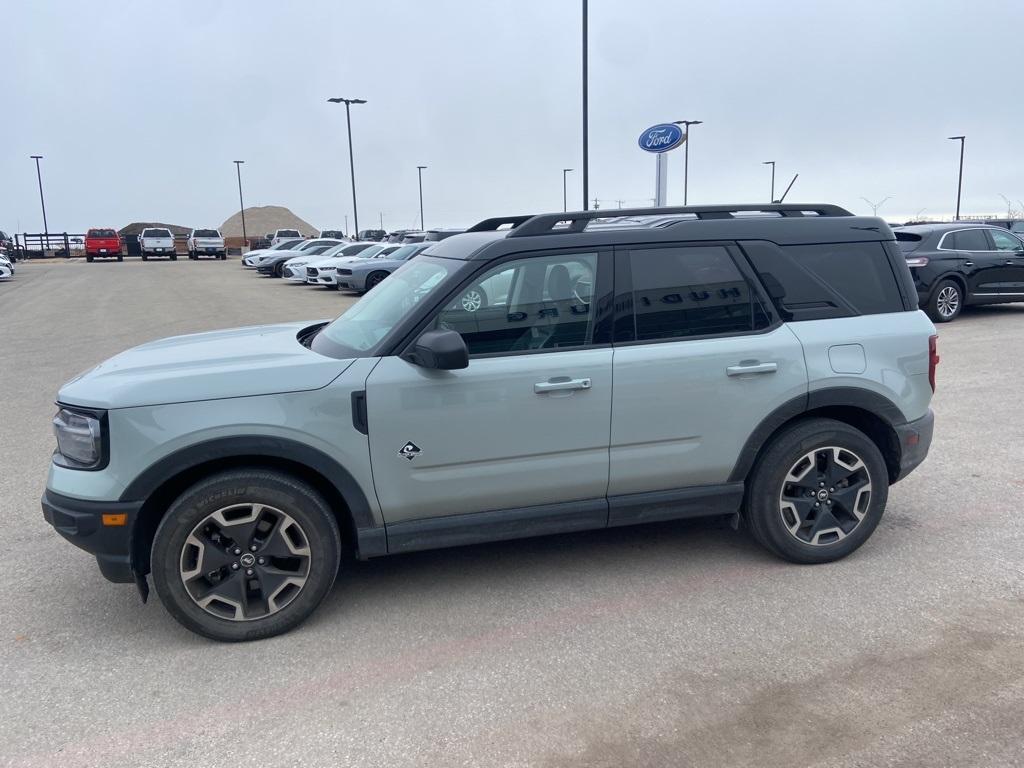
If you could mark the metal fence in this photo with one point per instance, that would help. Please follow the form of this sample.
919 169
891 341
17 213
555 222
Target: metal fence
49 245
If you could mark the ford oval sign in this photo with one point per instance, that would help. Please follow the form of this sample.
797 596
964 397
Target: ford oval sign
661 138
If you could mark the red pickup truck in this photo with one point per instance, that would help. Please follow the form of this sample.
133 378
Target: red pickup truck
102 244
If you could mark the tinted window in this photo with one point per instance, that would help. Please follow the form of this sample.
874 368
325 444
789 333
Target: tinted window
288 233
681 292
206 233
860 273
528 304
1017 226
1005 241
908 241
966 240
95 233
156 233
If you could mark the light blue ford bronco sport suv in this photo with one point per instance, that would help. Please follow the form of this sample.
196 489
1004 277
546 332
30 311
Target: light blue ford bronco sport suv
764 362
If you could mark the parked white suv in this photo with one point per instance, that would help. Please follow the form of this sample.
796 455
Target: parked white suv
157 241
206 242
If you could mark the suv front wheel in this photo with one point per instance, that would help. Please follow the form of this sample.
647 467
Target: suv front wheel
818 492
245 554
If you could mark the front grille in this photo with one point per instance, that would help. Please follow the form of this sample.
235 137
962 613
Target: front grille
344 271
311 271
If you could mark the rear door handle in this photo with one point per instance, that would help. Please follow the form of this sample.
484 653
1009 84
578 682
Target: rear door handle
561 386
744 368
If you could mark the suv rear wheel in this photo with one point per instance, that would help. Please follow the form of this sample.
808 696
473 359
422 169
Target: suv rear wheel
245 554
817 492
946 302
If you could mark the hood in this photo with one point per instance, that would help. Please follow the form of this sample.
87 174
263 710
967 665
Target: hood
241 362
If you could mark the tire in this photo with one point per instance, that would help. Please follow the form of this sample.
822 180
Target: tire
88 259
279 270
946 302
473 299
373 280
120 257
145 257
289 506
223 257
809 529
174 257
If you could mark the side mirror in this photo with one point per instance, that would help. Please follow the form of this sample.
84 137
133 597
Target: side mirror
442 350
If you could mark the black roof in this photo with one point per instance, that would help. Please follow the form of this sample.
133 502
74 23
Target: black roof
784 224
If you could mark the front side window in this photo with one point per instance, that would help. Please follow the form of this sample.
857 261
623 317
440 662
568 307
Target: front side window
1006 242
689 291
540 303
370 319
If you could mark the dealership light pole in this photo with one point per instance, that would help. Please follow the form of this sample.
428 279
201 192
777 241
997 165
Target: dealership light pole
876 206
686 154
241 203
565 198
960 178
419 170
42 202
772 164
351 163
586 137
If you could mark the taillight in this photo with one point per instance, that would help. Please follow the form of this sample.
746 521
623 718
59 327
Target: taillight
917 261
933 359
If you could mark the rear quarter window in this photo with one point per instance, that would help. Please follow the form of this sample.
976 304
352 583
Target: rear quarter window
815 282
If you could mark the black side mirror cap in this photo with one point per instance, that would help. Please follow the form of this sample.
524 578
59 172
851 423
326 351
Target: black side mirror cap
442 350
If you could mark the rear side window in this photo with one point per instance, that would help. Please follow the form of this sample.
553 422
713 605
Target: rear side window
908 241
684 292
965 240
859 272
818 282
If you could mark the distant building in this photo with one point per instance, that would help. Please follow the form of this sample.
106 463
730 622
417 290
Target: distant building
261 220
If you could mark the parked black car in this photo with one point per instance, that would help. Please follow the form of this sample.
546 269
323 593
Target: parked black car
961 264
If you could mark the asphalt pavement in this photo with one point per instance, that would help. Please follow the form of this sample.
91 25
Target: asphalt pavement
679 644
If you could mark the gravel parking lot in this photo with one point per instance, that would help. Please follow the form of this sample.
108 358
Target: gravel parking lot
676 644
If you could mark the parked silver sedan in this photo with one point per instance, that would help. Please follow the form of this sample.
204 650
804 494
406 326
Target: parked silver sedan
363 275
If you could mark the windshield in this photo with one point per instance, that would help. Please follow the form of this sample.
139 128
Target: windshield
206 233
403 253
366 323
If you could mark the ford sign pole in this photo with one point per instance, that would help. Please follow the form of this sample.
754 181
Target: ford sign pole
661 139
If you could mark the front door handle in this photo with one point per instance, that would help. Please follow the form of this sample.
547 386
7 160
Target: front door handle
968 263
561 385
745 368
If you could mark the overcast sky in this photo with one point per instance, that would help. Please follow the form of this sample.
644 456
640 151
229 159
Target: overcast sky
140 107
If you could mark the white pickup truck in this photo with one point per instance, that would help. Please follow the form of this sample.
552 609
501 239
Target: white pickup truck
284 234
157 241
206 242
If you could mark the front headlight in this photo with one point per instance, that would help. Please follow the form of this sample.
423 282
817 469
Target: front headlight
79 439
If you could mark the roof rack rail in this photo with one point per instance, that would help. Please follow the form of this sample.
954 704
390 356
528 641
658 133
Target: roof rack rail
490 225
544 223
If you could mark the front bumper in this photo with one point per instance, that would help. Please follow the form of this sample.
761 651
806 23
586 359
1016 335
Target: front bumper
915 439
81 523
355 283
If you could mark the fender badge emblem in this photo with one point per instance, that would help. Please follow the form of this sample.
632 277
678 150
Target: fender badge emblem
410 451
